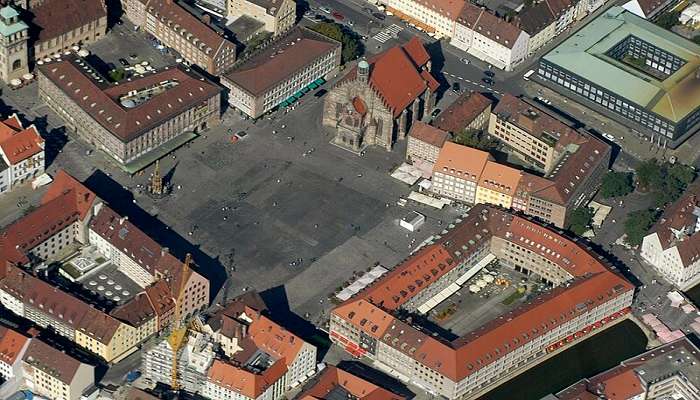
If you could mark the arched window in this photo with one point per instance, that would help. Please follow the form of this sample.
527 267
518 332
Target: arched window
17 64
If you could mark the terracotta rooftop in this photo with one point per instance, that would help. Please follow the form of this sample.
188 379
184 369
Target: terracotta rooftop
243 318
677 226
461 161
447 8
102 101
398 75
18 143
650 7
481 20
333 381
593 284
500 178
136 312
11 345
296 50
428 134
54 18
202 34
75 313
51 361
462 112
535 18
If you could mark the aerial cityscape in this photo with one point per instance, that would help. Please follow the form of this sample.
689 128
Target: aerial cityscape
349 199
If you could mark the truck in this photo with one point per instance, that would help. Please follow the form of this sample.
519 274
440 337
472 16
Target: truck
528 74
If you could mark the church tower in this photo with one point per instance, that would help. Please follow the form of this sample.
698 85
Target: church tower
14 37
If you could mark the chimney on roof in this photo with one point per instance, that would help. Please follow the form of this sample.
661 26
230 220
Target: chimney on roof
122 219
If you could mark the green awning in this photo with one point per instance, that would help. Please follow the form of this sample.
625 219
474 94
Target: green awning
312 85
284 104
320 81
298 94
291 100
305 89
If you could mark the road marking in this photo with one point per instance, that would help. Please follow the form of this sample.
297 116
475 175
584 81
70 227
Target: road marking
388 33
459 77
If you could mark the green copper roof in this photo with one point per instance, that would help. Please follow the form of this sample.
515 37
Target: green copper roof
585 54
8 12
8 30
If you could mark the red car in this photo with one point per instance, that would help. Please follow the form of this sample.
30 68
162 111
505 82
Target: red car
338 16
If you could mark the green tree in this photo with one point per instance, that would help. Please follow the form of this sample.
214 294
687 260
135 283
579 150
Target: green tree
616 184
696 39
638 224
351 44
117 74
580 219
649 175
476 139
668 19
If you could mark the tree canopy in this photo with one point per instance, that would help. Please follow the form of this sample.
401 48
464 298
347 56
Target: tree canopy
476 139
616 184
638 224
351 44
666 181
580 220
668 19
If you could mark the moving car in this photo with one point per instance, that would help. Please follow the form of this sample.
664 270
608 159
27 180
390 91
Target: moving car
325 9
455 87
488 81
338 16
464 60
435 112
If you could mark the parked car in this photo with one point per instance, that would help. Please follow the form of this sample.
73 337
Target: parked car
489 73
379 16
435 112
543 100
455 87
320 93
487 81
123 62
608 136
325 9
242 134
338 16
464 60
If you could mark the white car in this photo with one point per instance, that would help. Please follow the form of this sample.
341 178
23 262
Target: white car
325 10
464 60
608 136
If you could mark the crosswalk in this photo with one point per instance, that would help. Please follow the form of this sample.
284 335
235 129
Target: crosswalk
387 33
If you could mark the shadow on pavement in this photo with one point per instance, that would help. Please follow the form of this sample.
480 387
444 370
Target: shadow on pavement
276 300
122 201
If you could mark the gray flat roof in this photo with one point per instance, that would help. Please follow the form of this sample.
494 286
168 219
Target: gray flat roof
584 54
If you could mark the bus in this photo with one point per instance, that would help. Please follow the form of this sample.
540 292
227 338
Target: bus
528 74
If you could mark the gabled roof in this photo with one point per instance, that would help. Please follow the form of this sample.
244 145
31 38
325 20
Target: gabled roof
462 112
593 284
11 345
279 61
461 161
54 18
103 101
483 22
51 361
243 381
335 380
399 75
18 143
678 220
428 134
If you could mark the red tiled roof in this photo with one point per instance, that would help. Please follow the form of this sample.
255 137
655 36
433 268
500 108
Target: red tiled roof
462 112
18 143
593 285
136 312
102 101
64 183
677 221
481 20
54 18
428 134
398 75
245 382
64 307
333 377
296 50
461 161
51 361
11 344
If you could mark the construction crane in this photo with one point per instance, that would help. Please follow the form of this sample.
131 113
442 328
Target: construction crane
179 329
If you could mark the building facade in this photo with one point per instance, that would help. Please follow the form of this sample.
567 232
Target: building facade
14 37
53 374
13 345
437 17
670 247
278 16
21 151
657 97
63 24
377 101
467 367
175 27
424 143
128 121
470 112
271 78
489 38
